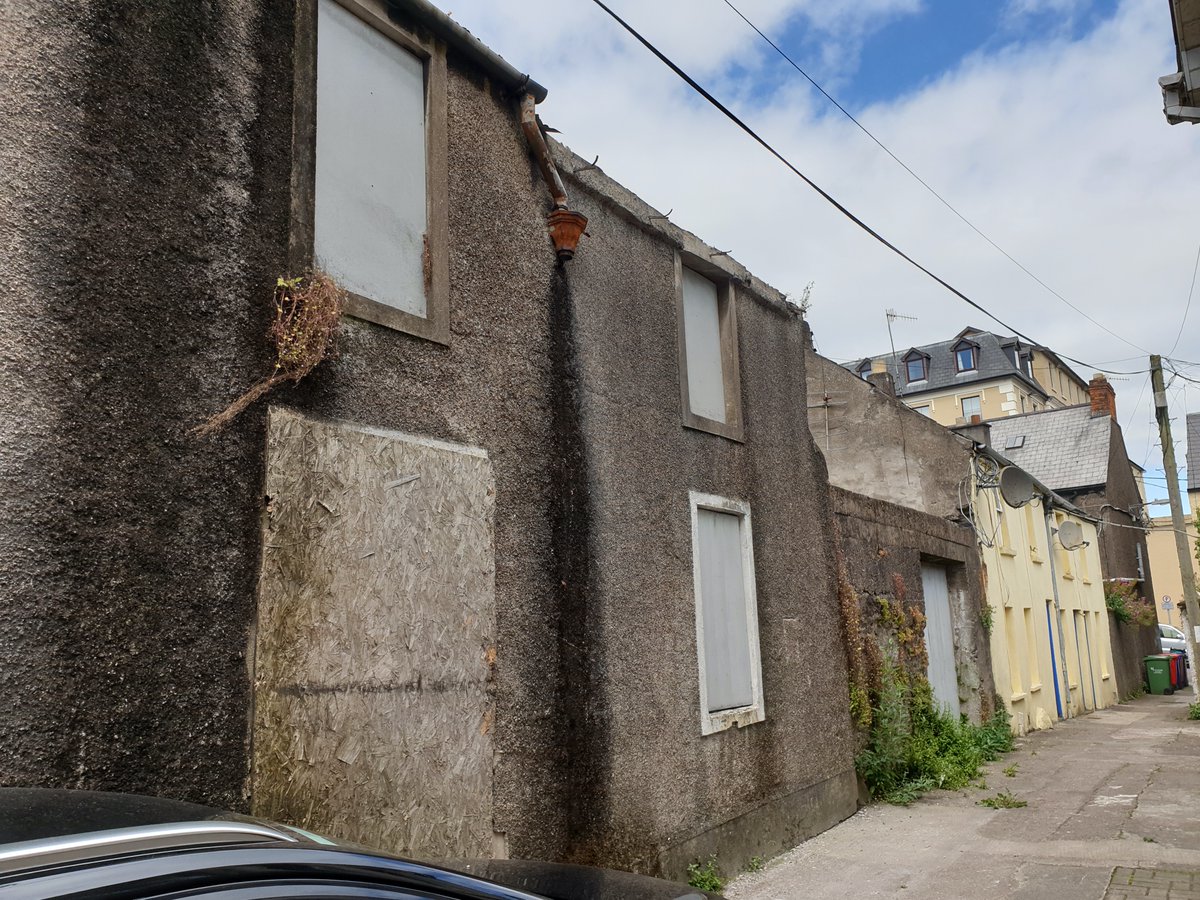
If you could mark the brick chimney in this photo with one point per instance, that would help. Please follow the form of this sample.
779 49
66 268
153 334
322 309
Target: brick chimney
1104 398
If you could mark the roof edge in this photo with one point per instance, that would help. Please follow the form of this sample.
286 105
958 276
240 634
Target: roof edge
460 39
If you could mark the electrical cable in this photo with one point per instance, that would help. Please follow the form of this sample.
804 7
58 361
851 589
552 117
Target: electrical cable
729 114
946 203
1175 374
1188 307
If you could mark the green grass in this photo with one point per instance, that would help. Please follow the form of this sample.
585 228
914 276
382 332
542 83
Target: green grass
705 876
756 864
1194 710
1003 800
1011 771
914 747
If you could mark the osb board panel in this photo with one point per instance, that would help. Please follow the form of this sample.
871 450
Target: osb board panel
376 613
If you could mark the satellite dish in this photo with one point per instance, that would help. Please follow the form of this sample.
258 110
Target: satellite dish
1070 535
1016 487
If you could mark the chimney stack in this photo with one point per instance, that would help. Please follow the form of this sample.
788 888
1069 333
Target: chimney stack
1104 398
881 378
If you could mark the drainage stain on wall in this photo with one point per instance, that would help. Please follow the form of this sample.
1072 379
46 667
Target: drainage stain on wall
373 707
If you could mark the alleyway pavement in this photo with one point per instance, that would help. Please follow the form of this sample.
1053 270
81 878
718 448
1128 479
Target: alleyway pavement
1114 813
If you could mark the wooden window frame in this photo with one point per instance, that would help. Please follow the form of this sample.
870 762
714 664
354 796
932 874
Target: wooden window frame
733 427
721 720
435 324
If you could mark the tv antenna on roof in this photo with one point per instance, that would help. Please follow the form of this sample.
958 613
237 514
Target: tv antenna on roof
892 316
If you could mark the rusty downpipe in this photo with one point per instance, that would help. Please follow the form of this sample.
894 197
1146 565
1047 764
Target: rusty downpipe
566 226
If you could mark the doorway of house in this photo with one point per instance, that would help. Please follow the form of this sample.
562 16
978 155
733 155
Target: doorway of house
939 638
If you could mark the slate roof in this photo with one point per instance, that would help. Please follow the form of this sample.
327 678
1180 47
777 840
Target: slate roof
991 362
1065 449
1193 451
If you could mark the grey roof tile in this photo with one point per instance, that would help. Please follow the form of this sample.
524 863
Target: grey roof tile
1193 451
992 362
1065 448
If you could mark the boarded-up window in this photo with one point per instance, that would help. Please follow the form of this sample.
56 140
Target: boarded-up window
726 613
370 191
702 343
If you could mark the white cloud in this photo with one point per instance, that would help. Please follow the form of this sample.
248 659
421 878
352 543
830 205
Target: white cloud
1038 7
1057 149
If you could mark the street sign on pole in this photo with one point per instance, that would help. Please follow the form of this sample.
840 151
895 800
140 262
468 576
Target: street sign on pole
1167 604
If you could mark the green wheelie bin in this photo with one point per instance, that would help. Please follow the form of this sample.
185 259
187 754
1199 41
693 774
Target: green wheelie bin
1158 674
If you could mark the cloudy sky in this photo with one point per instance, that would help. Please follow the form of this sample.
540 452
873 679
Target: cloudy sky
1040 121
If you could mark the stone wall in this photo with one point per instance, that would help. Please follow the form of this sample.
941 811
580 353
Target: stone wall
882 547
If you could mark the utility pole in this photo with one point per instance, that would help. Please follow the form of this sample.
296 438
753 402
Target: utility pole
1191 608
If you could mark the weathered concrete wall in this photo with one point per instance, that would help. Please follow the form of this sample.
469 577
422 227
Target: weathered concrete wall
883 546
142 227
373 713
1131 644
913 461
656 793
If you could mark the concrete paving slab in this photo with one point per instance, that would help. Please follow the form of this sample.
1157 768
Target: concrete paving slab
1114 812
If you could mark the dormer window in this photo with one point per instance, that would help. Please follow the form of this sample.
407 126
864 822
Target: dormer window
916 366
864 370
966 356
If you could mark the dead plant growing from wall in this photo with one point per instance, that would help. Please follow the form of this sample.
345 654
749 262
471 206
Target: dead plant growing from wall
303 332
856 642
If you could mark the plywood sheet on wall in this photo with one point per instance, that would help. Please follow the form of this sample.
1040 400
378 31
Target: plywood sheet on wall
373 709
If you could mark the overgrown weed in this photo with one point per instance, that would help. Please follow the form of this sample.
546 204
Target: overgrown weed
705 876
1003 800
914 746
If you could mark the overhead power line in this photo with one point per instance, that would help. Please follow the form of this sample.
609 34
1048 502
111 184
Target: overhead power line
729 114
946 203
1187 308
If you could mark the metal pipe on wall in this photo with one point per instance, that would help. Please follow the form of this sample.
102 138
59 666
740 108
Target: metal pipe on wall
1062 644
566 226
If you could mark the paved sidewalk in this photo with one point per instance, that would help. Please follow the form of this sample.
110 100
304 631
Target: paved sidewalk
1114 812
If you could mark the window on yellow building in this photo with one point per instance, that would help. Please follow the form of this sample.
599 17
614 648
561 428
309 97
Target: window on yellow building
1032 531
1006 546
1061 554
1014 655
1031 639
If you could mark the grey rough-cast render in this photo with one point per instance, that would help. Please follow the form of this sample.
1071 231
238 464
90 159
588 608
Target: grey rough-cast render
144 218
140 225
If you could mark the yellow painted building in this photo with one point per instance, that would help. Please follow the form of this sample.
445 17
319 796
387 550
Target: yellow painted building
995 399
1164 564
1051 657
1064 386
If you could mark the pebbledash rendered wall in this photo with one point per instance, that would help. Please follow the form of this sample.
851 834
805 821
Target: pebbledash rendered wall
181 616
738 793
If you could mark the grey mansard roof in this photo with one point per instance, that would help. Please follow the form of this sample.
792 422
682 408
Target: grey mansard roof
992 362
